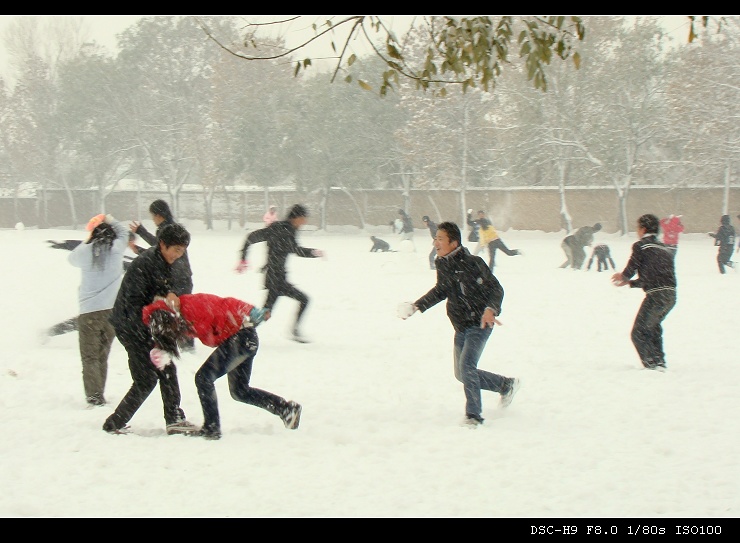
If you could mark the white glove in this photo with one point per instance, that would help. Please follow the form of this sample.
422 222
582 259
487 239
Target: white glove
470 211
159 358
405 310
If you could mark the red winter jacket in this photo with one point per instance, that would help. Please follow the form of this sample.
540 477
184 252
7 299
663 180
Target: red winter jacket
671 227
213 318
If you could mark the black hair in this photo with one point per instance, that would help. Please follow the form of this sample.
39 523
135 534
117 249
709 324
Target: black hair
452 230
425 218
649 222
174 234
168 331
297 211
161 208
102 238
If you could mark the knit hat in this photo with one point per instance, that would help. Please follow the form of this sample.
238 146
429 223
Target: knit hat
95 221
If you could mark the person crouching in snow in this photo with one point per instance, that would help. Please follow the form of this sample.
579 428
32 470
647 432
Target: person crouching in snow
229 325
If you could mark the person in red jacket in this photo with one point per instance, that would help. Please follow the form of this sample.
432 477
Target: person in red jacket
671 227
229 325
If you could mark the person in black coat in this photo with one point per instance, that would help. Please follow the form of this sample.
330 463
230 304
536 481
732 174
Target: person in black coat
474 298
182 274
429 223
148 278
281 241
724 238
654 265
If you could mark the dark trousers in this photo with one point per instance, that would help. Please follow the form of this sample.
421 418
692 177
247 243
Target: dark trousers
496 244
281 287
723 258
647 331
234 357
145 376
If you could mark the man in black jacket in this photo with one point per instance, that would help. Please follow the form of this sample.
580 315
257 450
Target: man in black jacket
182 274
654 263
148 278
281 241
474 297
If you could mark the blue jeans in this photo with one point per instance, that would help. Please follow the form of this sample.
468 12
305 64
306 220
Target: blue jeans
233 357
469 345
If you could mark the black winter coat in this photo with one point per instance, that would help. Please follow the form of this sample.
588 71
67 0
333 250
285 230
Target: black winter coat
182 274
149 275
281 241
654 263
468 285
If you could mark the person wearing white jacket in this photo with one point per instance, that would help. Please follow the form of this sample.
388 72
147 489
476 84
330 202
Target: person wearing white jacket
100 259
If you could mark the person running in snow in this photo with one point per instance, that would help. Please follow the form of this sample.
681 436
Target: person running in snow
100 260
655 267
281 241
490 238
229 325
724 238
474 298
148 278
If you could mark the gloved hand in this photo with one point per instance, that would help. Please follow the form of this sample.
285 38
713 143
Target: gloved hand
159 358
241 267
405 310
257 315
470 211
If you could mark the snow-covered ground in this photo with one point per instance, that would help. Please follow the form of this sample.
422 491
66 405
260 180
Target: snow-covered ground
590 433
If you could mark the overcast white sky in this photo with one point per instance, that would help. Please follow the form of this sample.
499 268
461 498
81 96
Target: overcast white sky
104 28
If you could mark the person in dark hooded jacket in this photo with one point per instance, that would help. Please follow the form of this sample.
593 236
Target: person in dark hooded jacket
724 238
474 297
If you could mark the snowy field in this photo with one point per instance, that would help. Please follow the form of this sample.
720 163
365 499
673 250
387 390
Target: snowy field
590 433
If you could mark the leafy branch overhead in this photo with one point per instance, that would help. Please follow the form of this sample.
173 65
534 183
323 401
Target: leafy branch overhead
467 51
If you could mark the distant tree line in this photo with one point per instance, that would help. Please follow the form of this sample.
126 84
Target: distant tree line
175 107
